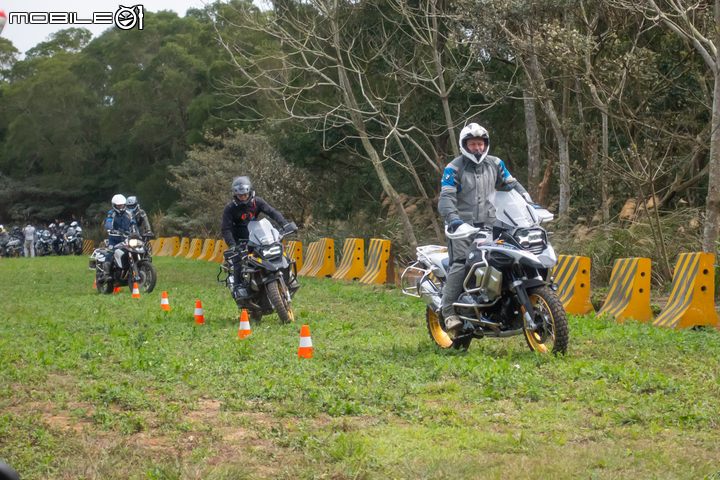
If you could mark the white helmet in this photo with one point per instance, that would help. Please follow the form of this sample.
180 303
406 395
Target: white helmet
119 200
74 224
474 130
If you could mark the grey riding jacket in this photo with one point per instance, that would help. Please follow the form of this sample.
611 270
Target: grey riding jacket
466 198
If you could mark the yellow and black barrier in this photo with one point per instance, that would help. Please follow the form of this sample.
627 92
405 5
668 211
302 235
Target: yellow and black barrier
195 249
629 291
572 274
691 300
220 248
208 249
378 267
170 248
158 245
310 258
352 265
293 250
88 247
164 245
184 248
325 261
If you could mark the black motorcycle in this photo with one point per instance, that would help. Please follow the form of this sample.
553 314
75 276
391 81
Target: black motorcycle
269 275
507 290
128 265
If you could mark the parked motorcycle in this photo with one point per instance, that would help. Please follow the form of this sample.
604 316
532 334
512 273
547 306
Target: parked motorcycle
43 246
506 291
128 265
72 242
269 274
14 248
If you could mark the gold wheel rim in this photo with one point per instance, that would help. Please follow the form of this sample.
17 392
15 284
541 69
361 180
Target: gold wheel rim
440 336
532 337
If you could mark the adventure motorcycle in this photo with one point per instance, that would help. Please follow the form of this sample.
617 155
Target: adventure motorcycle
506 291
73 241
128 265
43 247
14 248
269 275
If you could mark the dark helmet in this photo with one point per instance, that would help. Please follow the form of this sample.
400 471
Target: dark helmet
16 228
28 222
132 203
242 186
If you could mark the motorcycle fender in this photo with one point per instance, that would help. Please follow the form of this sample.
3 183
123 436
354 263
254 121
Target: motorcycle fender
118 257
533 282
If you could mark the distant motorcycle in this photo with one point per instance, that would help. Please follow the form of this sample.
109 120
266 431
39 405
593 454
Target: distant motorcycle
72 242
43 247
267 271
14 248
128 265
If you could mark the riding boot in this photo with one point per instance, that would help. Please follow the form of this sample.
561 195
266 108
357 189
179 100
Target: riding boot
241 288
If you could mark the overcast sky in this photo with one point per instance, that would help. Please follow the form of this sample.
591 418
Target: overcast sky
24 37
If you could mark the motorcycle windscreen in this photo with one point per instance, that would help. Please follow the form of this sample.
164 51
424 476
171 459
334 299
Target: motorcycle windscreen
70 232
512 209
262 232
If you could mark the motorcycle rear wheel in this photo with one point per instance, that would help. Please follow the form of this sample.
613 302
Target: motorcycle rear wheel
550 315
439 334
282 306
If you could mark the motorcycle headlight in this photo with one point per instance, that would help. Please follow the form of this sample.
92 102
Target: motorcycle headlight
272 251
529 238
134 242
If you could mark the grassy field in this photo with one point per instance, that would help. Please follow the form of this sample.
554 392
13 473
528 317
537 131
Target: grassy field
113 387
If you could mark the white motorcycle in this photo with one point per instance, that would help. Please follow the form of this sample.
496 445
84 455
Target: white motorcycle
506 291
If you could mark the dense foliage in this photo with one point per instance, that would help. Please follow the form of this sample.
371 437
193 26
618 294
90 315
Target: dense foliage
364 101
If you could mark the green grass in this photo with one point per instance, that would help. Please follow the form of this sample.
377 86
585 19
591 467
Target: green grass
113 387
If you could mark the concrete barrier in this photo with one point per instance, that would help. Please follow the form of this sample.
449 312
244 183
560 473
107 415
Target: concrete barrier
352 265
629 291
691 300
572 274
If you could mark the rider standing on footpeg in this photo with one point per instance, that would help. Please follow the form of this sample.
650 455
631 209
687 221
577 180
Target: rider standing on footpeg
467 183
243 208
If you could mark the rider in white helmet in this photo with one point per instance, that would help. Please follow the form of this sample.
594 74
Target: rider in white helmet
118 220
467 183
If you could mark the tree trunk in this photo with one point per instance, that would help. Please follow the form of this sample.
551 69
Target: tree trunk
440 70
712 201
605 153
426 199
560 134
351 102
533 140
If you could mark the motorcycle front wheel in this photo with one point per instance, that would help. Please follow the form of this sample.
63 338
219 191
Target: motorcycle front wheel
552 334
104 288
146 277
277 298
439 334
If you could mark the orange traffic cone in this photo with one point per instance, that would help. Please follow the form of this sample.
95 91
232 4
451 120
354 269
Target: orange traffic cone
117 290
95 285
244 330
164 302
306 349
199 317
136 291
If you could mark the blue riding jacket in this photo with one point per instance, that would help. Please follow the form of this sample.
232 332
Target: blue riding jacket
118 221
